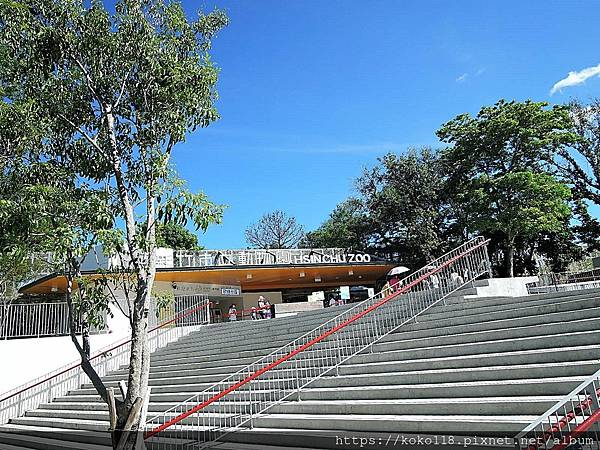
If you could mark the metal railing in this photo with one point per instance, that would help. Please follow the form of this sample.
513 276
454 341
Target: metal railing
565 281
37 320
238 400
573 423
58 382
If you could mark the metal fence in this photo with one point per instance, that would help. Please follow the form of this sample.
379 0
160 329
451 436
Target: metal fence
565 281
573 423
237 401
58 382
37 320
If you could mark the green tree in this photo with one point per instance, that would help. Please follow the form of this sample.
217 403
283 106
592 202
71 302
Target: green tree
520 205
579 163
504 139
404 201
346 227
105 98
579 166
176 236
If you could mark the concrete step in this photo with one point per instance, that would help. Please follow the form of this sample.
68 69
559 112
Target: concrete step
255 331
525 307
170 397
82 438
485 366
175 371
550 295
333 439
526 311
449 406
226 348
402 342
381 362
244 446
153 407
411 331
194 362
162 360
492 346
260 383
460 424
488 373
63 423
475 303
551 386
103 415
11 440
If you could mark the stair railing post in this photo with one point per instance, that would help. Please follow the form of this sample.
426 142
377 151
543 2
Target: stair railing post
20 404
251 407
50 390
595 406
338 357
297 374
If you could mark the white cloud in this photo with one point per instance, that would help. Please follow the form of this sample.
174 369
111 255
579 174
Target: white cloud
575 78
480 71
462 78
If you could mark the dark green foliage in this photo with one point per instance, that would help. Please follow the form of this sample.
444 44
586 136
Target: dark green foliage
495 179
404 202
347 227
93 104
175 236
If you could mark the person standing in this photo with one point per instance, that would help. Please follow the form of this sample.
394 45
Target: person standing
394 283
267 309
232 313
332 301
435 281
261 307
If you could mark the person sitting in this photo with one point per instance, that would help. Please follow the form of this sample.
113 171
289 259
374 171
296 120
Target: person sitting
267 309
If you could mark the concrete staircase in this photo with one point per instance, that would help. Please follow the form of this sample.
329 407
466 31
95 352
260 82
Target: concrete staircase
79 420
485 367
476 366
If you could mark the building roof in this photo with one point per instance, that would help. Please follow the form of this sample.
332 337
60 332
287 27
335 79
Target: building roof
250 278
297 272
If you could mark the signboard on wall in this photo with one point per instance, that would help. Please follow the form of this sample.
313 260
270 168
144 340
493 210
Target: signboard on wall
318 296
260 257
345 292
210 290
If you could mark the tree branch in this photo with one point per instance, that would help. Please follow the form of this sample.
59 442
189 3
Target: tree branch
122 90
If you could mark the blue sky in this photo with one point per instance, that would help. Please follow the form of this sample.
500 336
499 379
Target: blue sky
311 92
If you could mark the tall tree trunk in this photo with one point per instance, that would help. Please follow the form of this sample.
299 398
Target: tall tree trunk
139 366
509 259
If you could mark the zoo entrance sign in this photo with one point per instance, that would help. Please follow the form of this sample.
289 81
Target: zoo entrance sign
258 257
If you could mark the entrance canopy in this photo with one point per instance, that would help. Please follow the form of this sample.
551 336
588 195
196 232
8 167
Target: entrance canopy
255 269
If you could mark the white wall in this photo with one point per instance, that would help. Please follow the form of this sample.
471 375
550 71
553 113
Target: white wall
26 359
29 358
503 287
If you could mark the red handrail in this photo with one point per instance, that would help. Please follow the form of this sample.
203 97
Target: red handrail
577 410
250 310
74 366
578 430
303 347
